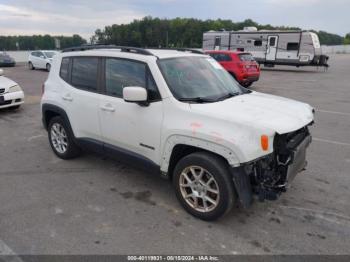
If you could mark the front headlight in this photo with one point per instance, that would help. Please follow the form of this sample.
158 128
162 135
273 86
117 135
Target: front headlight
15 88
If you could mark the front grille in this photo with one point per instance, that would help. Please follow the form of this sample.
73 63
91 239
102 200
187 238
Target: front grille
2 90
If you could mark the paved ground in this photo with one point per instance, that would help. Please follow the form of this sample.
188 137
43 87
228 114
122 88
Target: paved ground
93 205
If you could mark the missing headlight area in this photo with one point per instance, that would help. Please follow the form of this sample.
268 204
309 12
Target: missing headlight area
270 175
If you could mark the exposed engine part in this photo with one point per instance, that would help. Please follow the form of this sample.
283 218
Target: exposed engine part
270 175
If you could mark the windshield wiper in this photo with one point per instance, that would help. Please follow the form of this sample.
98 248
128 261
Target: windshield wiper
228 95
196 99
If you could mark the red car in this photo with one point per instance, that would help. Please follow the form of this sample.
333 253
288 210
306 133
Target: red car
240 65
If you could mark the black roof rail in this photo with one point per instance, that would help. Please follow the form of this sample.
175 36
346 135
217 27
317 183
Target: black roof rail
130 49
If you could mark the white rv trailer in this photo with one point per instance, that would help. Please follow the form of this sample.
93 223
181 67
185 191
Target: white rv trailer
270 47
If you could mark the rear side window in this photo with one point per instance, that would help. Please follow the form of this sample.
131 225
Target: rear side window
84 73
221 57
246 57
293 46
64 71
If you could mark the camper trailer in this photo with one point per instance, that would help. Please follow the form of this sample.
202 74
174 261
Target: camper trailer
270 47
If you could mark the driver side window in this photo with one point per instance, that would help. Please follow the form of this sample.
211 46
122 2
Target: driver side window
120 73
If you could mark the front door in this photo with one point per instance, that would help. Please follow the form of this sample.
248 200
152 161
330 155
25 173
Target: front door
271 52
130 126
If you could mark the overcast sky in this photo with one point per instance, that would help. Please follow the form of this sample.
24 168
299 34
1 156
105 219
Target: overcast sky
83 17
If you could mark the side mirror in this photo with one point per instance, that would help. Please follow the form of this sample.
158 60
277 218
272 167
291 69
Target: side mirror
1 72
42 56
135 94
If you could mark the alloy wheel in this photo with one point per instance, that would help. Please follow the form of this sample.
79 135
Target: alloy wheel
59 138
199 189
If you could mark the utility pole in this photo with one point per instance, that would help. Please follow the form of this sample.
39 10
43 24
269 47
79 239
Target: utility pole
167 39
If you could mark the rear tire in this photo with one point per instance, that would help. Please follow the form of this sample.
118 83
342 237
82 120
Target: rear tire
31 67
48 67
61 139
201 198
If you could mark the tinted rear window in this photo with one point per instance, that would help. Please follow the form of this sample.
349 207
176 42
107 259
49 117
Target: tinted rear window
246 57
64 73
84 73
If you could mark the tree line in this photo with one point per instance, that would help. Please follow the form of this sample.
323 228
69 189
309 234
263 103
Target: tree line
39 42
152 32
182 32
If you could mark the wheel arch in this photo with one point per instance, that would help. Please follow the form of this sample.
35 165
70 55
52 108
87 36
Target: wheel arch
49 111
178 146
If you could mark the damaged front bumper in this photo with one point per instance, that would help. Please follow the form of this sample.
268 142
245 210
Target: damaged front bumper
269 176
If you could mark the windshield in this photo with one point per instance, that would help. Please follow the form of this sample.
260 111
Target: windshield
198 77
49 54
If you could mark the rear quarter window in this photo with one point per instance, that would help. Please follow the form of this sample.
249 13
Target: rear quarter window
64 70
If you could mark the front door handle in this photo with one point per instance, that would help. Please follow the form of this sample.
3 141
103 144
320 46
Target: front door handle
67 97
107 107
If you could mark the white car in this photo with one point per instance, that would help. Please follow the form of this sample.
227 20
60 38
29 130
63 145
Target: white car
11 94
41 59
179 114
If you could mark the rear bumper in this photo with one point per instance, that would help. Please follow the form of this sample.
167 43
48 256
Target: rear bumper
249 78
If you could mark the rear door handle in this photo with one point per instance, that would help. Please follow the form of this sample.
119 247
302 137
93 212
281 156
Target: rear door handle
107 107
67 97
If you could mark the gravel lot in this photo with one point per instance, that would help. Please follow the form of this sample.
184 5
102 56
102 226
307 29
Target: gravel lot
94 205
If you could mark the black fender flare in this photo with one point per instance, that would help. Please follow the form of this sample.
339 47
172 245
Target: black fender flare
243 186
58 111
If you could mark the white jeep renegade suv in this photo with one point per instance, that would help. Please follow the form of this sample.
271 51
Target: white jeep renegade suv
178 113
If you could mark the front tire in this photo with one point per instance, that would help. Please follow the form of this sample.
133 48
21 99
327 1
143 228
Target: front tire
61 139
48 67
204 186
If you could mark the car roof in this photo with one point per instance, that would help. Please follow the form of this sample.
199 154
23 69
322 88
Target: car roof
166 53
157 53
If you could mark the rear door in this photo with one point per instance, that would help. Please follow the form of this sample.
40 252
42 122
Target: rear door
35 58
130 126
225 60
272 43
41 60
80 95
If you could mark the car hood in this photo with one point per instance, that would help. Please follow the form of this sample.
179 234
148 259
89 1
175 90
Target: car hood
280 114
6 83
